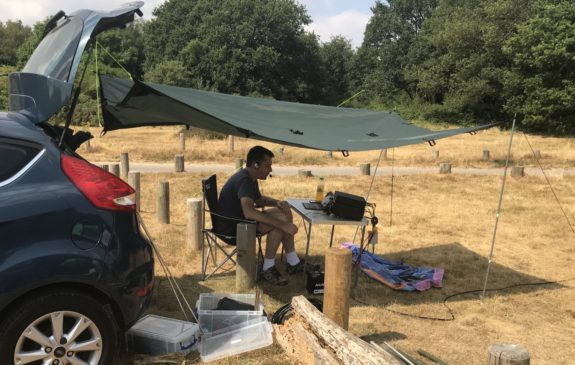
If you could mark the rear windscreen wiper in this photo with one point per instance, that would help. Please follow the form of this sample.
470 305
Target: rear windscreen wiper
52 22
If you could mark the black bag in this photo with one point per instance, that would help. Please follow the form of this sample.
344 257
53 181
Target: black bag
348 206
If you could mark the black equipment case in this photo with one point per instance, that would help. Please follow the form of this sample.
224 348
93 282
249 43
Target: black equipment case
348 206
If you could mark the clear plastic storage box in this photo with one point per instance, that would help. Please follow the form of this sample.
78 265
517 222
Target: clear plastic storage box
155 335
247 336
211 320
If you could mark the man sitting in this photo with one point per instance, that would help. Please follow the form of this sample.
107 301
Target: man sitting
238 199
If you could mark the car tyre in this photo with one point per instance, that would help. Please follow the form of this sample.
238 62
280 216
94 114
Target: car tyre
62 325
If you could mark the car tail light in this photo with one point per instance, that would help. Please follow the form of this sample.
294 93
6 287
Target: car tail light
103 189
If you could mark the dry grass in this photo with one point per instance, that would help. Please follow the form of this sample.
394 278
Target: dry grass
160 144
438 220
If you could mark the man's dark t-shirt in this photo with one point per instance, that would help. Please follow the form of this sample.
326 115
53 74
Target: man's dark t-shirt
238 186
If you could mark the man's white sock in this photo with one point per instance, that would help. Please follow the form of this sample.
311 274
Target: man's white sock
268 263
292 258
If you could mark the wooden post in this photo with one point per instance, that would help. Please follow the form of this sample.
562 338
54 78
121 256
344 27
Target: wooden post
106 167
445 168
231 148
179 163
239 163
163 202
384 154
329 154
508 354
134 182
115 169
246 267
337 285
194 227
517 171
537 154
87 146
182 141
280 151
435 154
124 165
486 156
304 173
365 169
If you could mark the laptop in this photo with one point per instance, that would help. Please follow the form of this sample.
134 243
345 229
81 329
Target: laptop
313 205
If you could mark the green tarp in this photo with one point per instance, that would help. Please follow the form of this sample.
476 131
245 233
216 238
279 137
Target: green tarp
127 104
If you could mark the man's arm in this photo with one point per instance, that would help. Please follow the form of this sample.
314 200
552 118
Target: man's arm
251 213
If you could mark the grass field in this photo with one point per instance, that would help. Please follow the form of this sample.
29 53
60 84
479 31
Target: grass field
438 220
160 144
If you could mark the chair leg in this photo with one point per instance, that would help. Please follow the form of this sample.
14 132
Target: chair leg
228 258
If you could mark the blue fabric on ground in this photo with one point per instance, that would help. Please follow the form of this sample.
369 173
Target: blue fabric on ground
396 274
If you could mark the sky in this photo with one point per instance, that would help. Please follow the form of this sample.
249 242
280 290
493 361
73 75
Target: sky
330 17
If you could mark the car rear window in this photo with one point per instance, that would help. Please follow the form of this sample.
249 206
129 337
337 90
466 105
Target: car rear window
14 157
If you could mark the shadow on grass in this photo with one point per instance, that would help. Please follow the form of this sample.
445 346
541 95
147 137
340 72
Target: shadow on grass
464 271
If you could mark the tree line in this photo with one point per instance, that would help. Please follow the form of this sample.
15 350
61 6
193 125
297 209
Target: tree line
456 61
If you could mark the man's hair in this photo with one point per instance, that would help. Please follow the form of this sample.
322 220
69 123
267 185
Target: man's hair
256 154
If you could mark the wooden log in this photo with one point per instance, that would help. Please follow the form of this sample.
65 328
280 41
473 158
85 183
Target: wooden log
246 256
239 163
163 202
337 285
194 225
348 348
508 354
445 168
115 169
134 182
179 163
304 173
124 165
231 147
517 171
435 154
182 141
365 169
321 356
486 155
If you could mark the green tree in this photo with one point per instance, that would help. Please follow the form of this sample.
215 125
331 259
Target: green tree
541 82
458 64
238 46
337 60
12 35
388 38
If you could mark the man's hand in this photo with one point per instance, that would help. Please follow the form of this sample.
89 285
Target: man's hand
283 205
289 228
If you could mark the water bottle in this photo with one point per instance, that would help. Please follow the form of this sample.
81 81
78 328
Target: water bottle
319 190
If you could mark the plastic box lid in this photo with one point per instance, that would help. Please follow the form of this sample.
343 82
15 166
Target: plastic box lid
155 335
237 339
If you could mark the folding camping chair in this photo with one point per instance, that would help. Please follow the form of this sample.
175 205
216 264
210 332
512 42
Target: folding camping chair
215 241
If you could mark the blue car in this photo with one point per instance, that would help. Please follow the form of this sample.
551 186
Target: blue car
75 270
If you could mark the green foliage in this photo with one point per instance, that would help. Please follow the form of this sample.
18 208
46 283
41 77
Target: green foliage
388 38
541 81
337 60
12 35
236 46
4 71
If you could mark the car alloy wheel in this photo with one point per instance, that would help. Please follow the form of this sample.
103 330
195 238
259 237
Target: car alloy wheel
60 338
58 327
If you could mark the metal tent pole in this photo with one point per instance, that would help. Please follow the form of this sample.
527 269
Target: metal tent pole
499 207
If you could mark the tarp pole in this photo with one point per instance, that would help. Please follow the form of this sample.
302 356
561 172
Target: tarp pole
369 191
499 207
